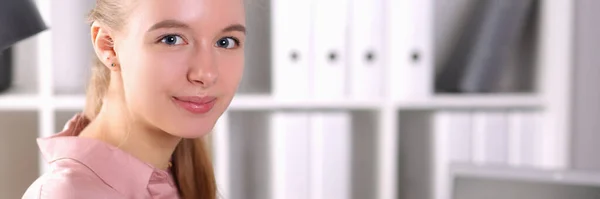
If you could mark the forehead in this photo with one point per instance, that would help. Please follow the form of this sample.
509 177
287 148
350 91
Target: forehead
198 14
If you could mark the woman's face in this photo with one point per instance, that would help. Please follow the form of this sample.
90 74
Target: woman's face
181 62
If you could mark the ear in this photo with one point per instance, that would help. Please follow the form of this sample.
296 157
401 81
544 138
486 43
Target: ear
103 43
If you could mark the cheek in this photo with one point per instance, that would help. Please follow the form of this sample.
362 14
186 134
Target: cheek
161 72
150 79
231 72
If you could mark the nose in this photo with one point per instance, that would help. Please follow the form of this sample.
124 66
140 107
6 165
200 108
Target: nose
204 70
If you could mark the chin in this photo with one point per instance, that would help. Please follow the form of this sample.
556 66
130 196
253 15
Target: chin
192 130
193 134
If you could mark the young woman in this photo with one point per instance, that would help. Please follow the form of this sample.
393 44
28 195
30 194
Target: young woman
166 71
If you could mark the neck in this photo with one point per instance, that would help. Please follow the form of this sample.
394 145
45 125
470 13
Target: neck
117 127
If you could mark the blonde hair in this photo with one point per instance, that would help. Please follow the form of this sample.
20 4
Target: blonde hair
192 167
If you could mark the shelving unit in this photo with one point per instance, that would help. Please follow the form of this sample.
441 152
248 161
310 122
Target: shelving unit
15 101
394 125
444 101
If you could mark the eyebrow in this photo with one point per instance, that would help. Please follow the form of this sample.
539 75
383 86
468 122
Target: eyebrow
235 27
168 24
177 24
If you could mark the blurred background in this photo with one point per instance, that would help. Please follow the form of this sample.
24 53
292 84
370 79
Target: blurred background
360 99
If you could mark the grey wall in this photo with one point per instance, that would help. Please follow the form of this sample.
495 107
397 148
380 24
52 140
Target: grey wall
586 98
18 152
415 163
249 153
257 74
364 155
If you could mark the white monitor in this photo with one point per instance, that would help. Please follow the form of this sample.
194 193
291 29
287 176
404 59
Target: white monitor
488 182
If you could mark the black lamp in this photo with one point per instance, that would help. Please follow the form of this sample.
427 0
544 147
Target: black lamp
19 19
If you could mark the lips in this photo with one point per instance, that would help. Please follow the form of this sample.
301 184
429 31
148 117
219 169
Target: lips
195 99
194 104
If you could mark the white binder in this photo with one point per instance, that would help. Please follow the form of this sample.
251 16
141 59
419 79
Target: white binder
291 47
290 155
451 144
220 143
490 137
330 155
460 135
411 54
330 24
366 48
525 139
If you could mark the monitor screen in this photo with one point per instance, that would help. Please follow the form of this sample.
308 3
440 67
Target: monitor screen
502 188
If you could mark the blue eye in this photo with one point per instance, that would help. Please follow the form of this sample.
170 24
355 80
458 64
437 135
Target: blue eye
172 40
227 42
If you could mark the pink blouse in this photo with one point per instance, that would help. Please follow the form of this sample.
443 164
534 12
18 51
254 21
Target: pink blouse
88 168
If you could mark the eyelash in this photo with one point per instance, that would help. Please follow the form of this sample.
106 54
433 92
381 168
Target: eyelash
235 40
160 40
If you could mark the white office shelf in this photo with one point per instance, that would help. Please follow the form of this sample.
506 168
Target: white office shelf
266 102
69 102
19 98
466 101
247 102
27 102
19 102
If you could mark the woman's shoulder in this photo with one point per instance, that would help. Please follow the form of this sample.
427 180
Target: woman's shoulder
69 179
